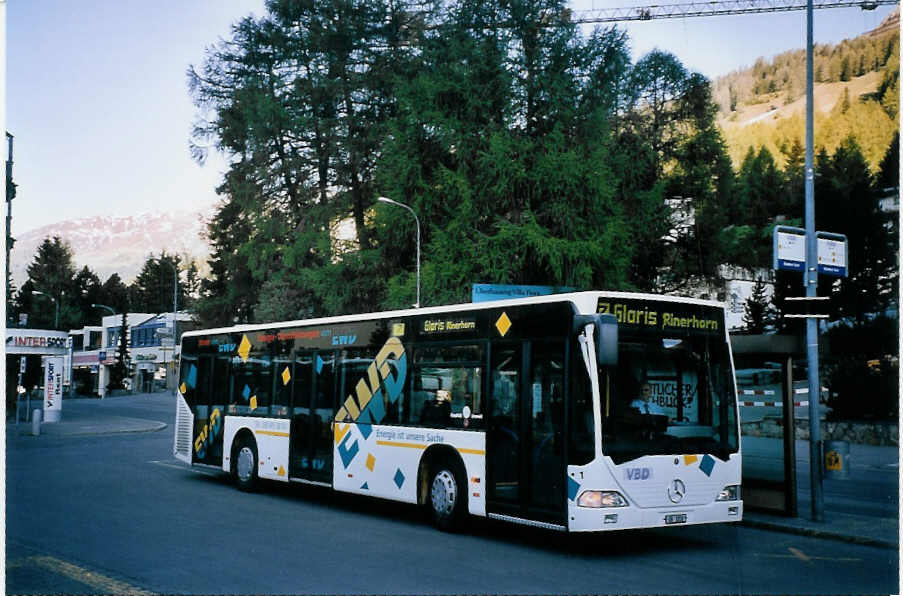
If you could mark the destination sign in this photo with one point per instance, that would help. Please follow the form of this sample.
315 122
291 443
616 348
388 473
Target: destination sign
448 326
666 317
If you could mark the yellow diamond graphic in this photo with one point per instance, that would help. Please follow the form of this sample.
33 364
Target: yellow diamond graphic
398 329
183 388
503 324
371 461
286 376
253 402
244 348
689 459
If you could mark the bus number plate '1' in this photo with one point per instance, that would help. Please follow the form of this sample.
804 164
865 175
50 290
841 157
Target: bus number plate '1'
676 518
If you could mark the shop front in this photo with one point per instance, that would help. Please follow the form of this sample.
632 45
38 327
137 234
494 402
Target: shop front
85 373
26 350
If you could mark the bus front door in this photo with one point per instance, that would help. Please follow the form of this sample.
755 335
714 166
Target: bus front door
524 442
212 375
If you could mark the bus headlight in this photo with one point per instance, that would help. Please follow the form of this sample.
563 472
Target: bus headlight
729 493
601 498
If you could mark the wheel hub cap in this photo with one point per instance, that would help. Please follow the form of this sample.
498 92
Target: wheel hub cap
444 492
245 464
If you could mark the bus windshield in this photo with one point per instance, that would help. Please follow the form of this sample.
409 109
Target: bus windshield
669 396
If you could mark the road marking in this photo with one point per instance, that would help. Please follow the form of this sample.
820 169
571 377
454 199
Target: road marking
183 468
90 578
799 555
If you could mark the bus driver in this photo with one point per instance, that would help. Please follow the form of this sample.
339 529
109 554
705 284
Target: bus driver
644 402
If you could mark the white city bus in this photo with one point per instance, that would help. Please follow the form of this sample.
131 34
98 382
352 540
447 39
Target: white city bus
528 410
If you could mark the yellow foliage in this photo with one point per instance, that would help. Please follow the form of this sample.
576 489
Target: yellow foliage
866 121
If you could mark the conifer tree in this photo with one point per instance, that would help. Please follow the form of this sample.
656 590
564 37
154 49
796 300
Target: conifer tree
757 312
119 372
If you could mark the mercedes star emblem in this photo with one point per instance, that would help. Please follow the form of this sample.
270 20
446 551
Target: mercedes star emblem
676 491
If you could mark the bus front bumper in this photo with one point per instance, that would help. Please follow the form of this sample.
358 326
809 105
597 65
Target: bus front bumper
584 519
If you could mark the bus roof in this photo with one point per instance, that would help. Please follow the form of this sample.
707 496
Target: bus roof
584 301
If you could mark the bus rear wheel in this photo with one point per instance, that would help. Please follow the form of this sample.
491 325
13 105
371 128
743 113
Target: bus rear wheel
244 464
447 496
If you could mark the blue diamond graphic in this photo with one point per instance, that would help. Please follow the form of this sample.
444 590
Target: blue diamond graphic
399 478
365 487
707 465
246 392
573 487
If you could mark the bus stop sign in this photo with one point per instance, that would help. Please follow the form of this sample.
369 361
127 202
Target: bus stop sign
790 251
789 248
832 254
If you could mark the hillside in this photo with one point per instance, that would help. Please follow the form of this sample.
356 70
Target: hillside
856 93
108 244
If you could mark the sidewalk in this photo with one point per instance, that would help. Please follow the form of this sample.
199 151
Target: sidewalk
85 417
859 529
863 508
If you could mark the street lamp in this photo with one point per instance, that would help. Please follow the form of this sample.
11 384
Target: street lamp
56 321
417 220
175 302
175 297
109 308
112 312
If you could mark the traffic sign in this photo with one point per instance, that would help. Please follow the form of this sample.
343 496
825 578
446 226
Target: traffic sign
101 356
22 364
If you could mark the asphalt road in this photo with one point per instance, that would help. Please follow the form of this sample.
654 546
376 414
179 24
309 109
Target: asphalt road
117 513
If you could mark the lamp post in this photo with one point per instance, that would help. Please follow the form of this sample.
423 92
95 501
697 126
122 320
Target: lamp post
175 302
56 320
101 376
417 220
109 308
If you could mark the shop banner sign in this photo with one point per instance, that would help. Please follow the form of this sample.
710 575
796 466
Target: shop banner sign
53 388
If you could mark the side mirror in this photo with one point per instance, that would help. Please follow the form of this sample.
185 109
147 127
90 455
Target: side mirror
605 334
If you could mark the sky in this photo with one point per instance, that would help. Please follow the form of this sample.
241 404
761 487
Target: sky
98 103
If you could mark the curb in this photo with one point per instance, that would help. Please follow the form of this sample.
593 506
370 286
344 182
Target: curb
153 427
818 533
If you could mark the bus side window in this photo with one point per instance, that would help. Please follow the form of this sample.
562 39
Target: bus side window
252 382
448 387
360 374
282 394
581 446
187 384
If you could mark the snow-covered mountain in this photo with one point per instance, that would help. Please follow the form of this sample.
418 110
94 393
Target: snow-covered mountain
115 244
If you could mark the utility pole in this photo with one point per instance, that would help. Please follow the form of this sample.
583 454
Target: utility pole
10 195
810 281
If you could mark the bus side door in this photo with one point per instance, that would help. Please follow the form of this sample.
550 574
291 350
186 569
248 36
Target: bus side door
312 415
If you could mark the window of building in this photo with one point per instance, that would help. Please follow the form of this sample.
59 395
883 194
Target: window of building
77 342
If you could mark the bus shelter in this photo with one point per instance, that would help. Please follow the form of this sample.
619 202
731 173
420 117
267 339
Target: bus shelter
768 396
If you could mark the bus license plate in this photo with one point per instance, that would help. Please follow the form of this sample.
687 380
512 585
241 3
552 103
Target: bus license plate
676 518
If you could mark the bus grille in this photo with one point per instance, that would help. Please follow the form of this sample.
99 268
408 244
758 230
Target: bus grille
184 425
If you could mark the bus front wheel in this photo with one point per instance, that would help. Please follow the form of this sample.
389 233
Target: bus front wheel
244 464
447 496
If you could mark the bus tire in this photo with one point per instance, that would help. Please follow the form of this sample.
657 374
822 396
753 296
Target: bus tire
244 463
447 495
